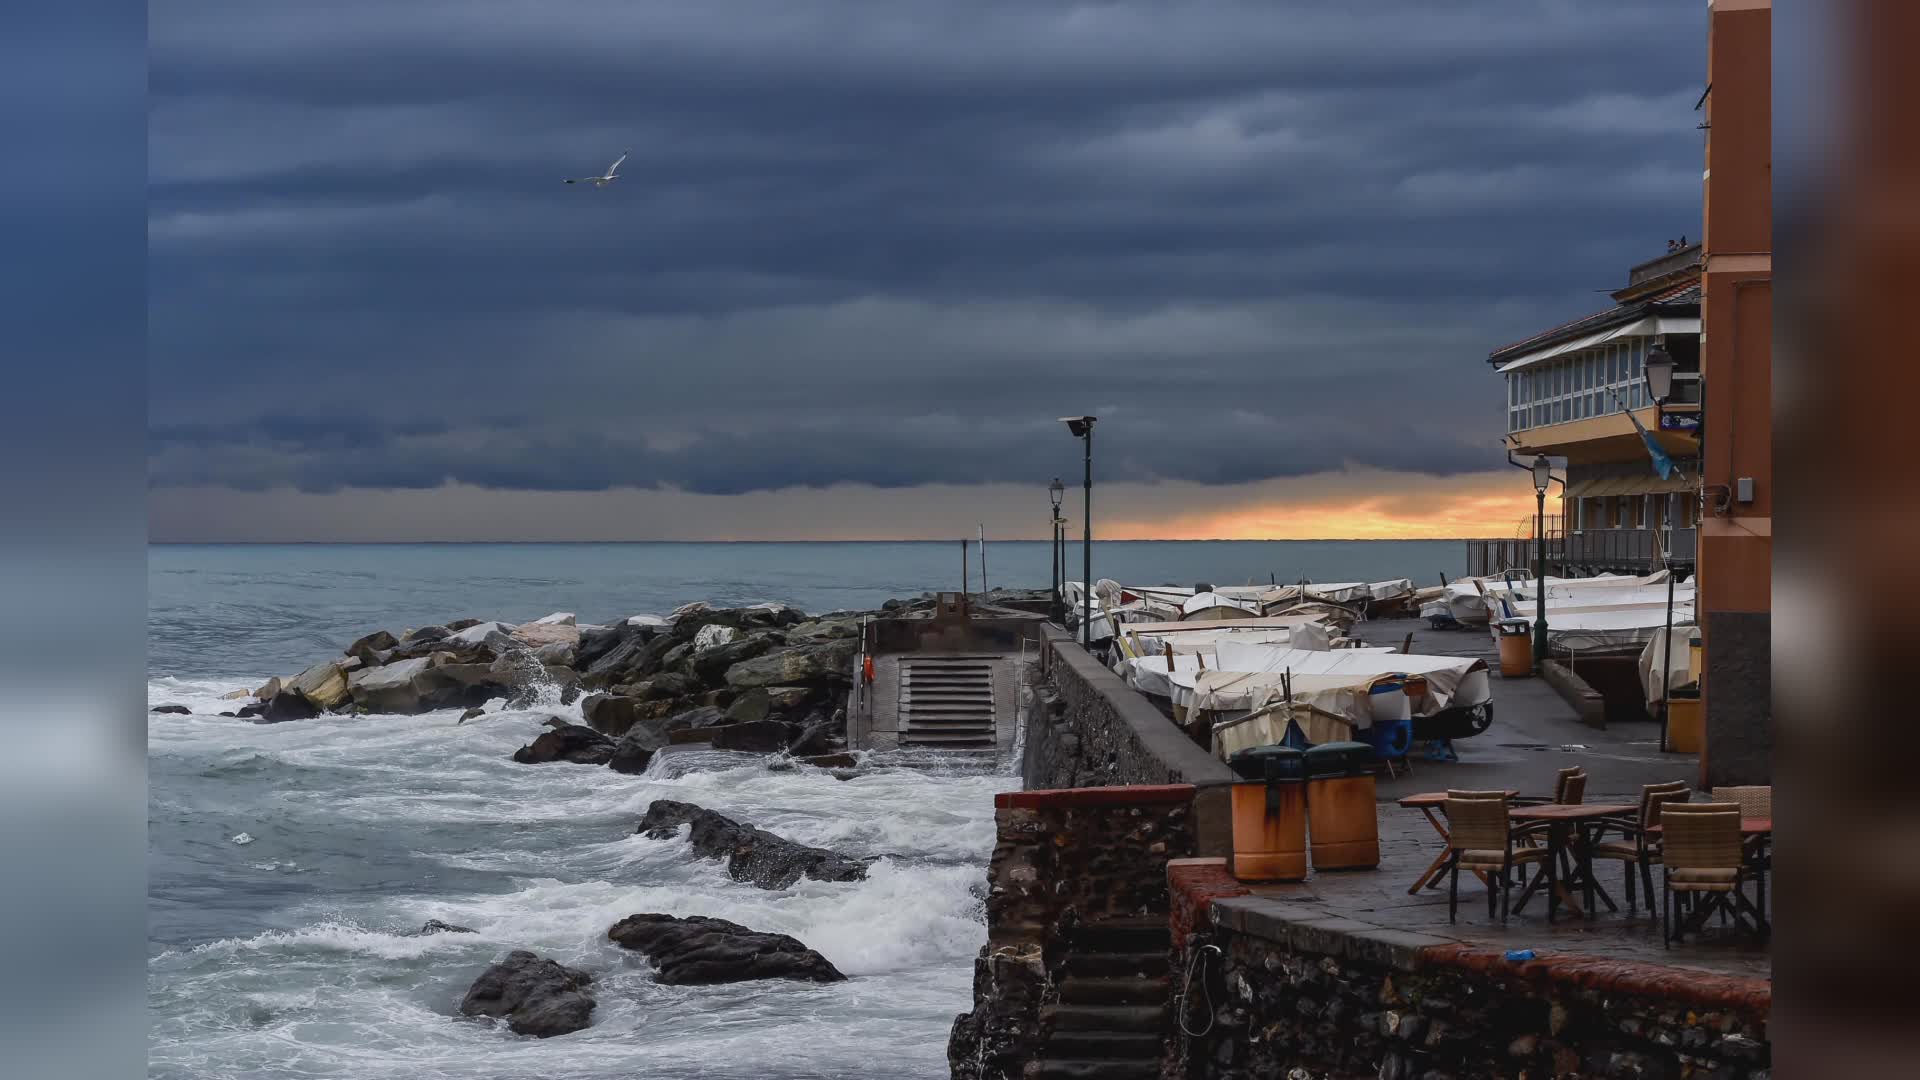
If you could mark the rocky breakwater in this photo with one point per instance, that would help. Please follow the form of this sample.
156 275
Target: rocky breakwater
760 679
753 855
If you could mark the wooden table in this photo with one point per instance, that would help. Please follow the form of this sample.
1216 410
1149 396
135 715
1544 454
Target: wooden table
1431 803
1567 834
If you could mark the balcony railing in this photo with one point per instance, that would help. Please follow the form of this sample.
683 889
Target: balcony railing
1594 551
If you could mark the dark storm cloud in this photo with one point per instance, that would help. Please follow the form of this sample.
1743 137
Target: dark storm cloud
882 243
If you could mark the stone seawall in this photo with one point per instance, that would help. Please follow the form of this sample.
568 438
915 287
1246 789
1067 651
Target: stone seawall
1062 860
1088 728
1289 989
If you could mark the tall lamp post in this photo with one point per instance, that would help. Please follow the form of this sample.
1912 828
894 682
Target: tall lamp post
1542 476
1082 429
1658 370
1058 491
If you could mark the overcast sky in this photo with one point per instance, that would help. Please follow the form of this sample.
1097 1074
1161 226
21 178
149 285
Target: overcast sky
863 254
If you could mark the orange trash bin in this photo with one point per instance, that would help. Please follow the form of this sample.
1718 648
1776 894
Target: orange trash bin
1516 648
1269 815
1343 817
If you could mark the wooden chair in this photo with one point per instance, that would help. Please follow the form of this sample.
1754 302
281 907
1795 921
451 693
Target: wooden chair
1705 867
1559 788
1479 838
1639 849
1755 801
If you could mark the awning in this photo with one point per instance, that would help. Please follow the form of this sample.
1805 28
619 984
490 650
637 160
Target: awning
1601 486
1642 327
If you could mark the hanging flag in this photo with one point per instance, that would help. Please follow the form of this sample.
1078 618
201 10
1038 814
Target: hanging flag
1662 464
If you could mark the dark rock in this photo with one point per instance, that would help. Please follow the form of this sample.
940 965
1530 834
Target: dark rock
648 734
698 950
253 709
435 926
754 737
458 625
426 633
372 643
571 743
596 642
677 655
670 684
178 710
557 654
808 633
610 714
830 761
394 688
749 706
472 714
827 662
753 855
537 997
816 737
636 658
711 666
287 705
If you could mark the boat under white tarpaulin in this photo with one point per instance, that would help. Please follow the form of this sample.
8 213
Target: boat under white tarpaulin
1451 680
1212 605
1679 663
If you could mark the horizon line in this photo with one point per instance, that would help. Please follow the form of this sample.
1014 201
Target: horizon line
867 540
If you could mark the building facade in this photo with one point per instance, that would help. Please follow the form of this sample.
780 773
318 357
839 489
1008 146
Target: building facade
1569 393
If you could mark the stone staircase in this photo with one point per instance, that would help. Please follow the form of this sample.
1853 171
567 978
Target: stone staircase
946 702
1110 1020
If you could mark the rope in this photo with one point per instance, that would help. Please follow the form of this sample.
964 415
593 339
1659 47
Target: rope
1186 993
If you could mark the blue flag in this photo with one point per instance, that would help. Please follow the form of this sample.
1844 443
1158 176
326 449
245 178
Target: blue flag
1662 464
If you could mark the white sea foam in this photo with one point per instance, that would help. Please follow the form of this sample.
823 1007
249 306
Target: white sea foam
397 820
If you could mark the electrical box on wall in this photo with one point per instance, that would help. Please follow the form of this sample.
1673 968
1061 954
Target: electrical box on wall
1743 489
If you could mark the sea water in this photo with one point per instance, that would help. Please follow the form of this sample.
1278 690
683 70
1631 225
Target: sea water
291 866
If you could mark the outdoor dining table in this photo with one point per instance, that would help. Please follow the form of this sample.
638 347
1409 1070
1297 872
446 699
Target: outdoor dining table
1433 804
1568 826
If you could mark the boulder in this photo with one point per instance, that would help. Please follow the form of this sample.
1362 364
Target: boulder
753 855
374 642
177 710
392 688
271 688
654 621
712 636
632 660
698 950
458 625
537 634
677 655
755 737
635 750
236 695
287 705
472 714
558 654
818 630
830 761
570 743
610 714
537 997
816 737
252 709
435 926
476 633
324 684
711 666
827 662
668 684
785 699
426 633
750 706
558 618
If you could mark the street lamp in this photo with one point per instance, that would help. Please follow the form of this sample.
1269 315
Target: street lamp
1658 369
1542 476
1057 491
1082 429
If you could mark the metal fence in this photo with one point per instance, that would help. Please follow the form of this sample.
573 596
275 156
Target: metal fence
1594 551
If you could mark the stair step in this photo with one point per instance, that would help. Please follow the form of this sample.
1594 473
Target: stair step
1114 990
1066 1016
1070 1069
1138 965
1121 935
1106 1045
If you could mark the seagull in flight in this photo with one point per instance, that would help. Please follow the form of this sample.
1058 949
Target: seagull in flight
603 181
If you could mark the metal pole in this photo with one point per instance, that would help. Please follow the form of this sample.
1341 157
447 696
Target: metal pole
1540 574
1666 635
1059 568
1086 550
963 568
984 589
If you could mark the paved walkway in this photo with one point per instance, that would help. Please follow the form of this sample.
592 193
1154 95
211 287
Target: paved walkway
1534 735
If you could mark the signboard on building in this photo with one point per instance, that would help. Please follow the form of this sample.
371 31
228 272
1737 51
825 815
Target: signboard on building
1688 422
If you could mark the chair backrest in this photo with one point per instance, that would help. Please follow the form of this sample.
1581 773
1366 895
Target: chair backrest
1659 799
1648 791
1480 824
1575 789
1560 782
1453 793
1701 836
1755 801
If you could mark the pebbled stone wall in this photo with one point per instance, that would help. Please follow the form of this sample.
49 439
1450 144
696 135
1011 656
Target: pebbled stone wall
1060 858
1295 992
